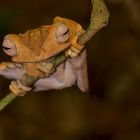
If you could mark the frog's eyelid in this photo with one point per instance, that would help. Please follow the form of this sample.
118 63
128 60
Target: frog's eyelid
62 33
66 32
6 48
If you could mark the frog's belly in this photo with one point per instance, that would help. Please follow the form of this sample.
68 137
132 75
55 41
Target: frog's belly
63 77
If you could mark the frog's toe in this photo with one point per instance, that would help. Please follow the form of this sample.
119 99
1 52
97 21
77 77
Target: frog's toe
14 88
18 89
73 52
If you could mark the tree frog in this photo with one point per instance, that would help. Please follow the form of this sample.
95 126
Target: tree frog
30 51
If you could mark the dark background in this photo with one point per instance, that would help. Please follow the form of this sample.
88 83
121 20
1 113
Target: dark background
111 109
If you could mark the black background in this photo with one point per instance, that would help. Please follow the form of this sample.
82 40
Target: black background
111 109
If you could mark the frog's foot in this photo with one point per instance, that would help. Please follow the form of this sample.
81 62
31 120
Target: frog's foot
18 88
75 49
46 68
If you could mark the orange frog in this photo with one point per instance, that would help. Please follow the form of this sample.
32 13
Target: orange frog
31 50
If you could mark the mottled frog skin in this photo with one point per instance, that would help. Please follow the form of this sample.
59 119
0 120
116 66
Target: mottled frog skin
30 50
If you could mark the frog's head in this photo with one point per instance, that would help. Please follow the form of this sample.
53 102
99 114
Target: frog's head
43 42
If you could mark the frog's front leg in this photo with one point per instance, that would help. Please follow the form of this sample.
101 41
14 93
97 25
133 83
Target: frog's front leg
11 70
75 48
21 87
15 71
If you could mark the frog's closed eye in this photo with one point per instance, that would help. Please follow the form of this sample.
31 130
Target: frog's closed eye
9 47
62 33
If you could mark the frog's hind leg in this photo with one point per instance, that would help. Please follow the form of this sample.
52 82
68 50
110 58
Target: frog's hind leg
82 78
63 77
79 65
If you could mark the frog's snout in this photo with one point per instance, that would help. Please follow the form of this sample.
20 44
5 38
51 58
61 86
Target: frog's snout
9 47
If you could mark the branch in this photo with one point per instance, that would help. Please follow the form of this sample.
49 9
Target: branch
7 100
99 19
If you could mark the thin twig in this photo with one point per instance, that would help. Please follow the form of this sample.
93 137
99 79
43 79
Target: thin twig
7 100
99 19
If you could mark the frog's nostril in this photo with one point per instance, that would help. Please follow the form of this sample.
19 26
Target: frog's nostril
7 43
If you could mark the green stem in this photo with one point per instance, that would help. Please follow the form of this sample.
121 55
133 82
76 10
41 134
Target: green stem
6 100
99 19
